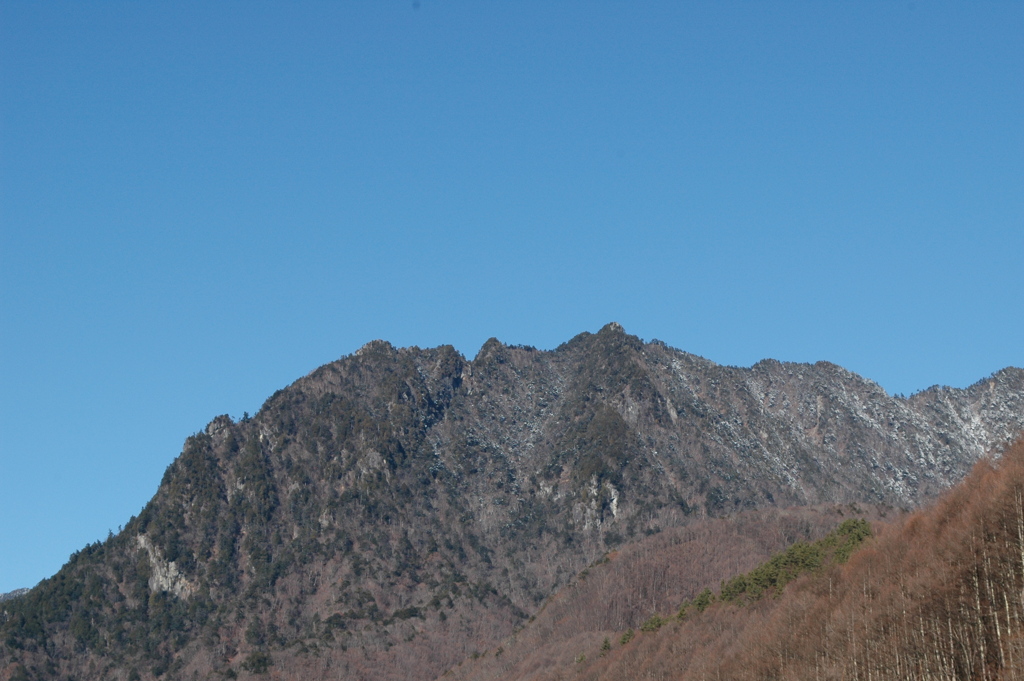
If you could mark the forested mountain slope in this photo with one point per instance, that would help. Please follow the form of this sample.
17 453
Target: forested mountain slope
936 595
644 586
399 509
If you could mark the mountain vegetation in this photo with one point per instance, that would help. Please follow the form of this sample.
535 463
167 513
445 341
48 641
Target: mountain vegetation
399 511
663 580
938 594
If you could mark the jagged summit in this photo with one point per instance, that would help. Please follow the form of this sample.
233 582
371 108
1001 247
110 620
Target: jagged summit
374 346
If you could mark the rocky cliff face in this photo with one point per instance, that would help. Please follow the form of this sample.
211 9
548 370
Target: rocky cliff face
393 511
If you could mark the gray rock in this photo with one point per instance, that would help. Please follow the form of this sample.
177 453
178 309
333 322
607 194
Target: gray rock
10 595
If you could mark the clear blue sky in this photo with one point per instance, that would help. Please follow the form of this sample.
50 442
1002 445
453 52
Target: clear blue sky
201 202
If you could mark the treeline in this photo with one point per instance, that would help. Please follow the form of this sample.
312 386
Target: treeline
798 559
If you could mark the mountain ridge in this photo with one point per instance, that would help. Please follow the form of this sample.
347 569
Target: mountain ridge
393 511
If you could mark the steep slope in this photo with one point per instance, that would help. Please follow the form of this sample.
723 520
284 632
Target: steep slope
399 509
936 595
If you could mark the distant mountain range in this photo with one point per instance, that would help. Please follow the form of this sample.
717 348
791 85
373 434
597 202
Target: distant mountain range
398 510
13 594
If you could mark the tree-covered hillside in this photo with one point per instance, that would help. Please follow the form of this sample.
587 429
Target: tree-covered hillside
938 594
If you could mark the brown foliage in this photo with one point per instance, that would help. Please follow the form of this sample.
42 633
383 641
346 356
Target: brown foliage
938 595
652 576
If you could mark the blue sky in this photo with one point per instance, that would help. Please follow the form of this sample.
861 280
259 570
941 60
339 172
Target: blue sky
201 202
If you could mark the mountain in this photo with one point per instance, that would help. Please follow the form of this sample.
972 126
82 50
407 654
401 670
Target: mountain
396 511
